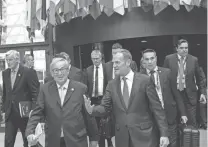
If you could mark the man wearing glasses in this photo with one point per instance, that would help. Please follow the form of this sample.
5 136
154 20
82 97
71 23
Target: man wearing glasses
61 103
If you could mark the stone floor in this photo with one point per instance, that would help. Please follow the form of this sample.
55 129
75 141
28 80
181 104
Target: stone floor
18 143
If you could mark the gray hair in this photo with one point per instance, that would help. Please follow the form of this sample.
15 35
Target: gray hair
126 54
66 56
96 52
56 60
15 54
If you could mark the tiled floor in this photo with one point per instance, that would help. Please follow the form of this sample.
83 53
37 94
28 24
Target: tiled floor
18 143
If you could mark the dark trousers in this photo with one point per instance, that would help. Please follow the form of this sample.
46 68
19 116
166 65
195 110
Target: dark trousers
62 142
190 109
13 123
101 142
173 132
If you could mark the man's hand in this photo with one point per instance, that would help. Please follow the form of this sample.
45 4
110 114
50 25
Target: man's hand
3 117
184 119
32 140
93 143
203 99
88 105
164 141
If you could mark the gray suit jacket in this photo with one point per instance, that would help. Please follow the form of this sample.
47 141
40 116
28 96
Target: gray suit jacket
135 122
72 116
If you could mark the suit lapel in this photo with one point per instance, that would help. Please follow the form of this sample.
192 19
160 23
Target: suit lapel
69 92
118 83
53 90
133 90
188 65
161 77
9 78
175 62
18 76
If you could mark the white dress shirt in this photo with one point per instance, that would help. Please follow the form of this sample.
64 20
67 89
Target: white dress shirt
157 83
129 81
184 63
62 93
100 80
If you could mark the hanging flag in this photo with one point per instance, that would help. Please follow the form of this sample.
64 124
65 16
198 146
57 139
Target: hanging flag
94 10
118 6
43 12
107 3
204 3
108 11
159 6
84 3
131 4
175 4
147 5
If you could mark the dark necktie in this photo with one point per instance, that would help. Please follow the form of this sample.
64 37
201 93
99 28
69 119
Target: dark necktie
152 76
181 73
126 92
13 77
96 81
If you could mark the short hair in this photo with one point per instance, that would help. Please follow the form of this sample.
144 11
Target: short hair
96 52
148 51
65 55
26 57
15 54
56 60
117 46
126 54
180 41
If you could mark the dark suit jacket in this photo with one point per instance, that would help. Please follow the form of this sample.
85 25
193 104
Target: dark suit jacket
136 121
74 74
89 79
170 95
192 71
109 69
72 116
26 88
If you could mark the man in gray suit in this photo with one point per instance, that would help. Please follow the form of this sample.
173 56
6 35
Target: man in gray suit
61 103
133 100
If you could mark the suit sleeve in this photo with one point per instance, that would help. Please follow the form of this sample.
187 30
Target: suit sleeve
199 78
34 85
37 114
157 109
177 96
166 65
3 98
91 125
106 104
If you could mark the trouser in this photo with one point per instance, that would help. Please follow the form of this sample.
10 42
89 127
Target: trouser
101 142
190 109
173 132
12 124
62 142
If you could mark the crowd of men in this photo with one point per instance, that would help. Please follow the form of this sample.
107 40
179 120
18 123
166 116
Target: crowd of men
141 108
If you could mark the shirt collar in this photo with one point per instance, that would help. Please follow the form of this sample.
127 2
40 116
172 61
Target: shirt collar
156 69
179 57
16 69
65 86
129 76
100 66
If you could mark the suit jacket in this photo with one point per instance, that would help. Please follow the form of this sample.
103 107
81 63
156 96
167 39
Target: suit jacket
109 69
72 116
170 95
135 122
89 79
74 74
192 72
26 88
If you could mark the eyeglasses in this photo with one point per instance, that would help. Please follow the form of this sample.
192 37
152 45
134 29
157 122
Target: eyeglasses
56 71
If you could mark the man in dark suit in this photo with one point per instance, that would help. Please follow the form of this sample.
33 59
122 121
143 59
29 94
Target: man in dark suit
133 100
167 93
61 103
109 65
74 73
184 70
19 84
96 82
